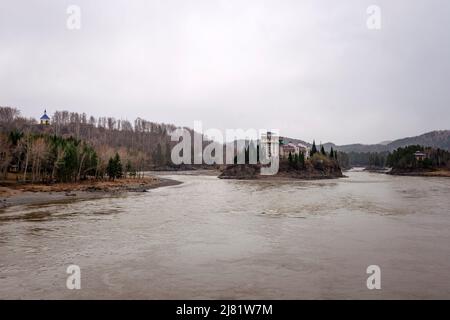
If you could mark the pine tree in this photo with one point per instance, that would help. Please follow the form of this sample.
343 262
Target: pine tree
247 155
118 166
313 148
322 150
257 153
69 163
295 161
301 160
114 168
110 169
331 153
15 136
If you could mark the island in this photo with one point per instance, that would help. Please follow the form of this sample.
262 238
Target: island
296 161
417 160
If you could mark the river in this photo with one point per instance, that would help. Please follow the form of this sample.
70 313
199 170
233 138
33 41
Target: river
225 239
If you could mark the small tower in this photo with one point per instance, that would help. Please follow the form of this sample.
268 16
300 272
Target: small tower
45 119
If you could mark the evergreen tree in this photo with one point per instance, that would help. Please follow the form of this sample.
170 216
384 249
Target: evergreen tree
301 160
93 164
332 153
114 168
15 136
118 166
295 161
257 153
247 155
313 148
69 163
322 150
110 169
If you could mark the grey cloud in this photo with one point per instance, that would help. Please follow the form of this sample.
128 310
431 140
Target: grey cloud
310 68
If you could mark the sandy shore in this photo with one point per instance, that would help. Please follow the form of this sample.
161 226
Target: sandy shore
24 194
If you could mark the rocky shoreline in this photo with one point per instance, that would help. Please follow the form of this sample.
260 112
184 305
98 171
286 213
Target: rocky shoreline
423 173
249 172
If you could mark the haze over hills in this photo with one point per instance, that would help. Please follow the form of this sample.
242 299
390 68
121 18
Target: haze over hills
436 139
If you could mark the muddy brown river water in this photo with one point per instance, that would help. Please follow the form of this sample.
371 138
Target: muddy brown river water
225 239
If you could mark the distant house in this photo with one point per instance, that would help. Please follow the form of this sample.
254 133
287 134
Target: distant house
419 155
269 144
286 148
45 119
303 149
293 149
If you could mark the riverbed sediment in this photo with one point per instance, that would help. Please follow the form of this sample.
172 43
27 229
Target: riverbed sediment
29 194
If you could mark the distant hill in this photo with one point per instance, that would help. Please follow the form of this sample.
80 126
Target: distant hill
436 139
357 147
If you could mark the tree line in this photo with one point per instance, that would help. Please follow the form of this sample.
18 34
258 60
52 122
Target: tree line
75 147
141 138
368 159
405 158
40 157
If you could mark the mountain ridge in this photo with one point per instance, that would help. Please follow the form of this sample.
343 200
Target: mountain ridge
435 139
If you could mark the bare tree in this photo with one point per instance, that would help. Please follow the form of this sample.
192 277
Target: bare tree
38 155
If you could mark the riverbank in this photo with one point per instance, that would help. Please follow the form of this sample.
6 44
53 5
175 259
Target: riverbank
376 169
250 172
429 173
12 194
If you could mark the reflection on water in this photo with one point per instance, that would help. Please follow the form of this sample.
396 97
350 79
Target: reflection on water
212 238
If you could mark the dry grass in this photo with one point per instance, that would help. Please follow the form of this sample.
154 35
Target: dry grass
7 192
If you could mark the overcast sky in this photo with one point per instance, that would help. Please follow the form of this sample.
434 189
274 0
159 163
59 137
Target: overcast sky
309 68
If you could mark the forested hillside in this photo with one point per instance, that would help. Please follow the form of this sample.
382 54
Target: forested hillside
76 145
404 159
